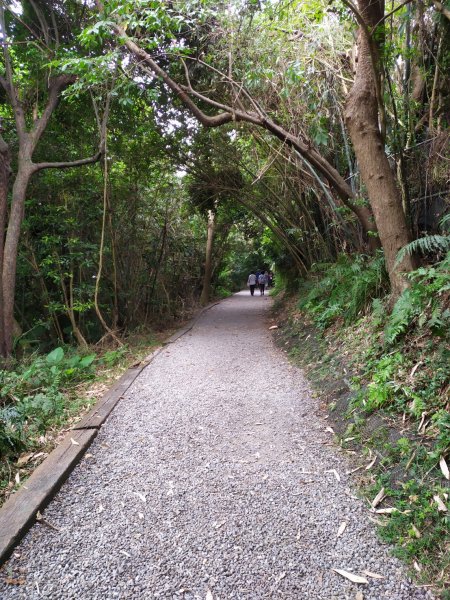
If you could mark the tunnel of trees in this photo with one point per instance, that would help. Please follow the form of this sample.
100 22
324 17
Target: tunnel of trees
154 152
286 133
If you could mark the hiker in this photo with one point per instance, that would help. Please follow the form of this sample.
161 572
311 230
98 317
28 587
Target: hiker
251 282
263 280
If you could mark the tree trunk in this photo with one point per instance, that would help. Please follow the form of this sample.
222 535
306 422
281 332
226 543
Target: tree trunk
10 251
4 180
204 298
362 118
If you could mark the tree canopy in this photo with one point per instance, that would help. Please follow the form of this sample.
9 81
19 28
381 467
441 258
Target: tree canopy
306 129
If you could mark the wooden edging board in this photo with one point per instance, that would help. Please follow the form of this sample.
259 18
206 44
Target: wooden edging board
19 512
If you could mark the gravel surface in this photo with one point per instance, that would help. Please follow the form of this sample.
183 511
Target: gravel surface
212 479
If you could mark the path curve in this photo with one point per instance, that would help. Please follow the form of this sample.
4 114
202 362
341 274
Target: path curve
212 478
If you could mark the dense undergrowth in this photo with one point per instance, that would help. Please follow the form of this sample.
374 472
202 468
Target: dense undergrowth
385 377
42 396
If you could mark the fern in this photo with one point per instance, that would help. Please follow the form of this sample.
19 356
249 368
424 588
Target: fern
429 243
405 309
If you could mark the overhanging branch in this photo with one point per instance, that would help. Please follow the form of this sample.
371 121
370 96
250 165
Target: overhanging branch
67 164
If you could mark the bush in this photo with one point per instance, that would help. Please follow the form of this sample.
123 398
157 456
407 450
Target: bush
32 399
345 289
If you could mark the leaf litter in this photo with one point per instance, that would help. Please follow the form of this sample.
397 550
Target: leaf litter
351 576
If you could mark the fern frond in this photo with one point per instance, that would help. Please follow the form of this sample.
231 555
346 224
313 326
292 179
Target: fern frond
429 243
445 222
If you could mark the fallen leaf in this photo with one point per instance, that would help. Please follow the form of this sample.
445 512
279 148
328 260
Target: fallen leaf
330 430
441 505
88 455
74 442
350 495
373 575
444 468
335 473
378 498
416 531
273 327
354 470
15 580
341 529
24 458
414 369
372 462
417 567
351 576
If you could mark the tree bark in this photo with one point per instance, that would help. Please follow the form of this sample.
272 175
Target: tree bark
11 249
4 181
362 118
206 291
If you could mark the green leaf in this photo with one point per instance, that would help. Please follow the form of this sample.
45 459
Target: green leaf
86 361
55 356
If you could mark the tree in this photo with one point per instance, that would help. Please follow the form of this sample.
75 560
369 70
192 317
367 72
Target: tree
31 115
231 102
364 117
233 112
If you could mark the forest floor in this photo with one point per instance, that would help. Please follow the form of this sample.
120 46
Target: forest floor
216 477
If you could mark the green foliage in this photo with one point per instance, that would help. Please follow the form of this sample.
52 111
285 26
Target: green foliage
344 289
429 244
423 305
402 383
32 398
418 529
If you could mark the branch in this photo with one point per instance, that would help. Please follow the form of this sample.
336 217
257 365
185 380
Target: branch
389 14
68 164
146 59
231 81
7 82
56 85
441 8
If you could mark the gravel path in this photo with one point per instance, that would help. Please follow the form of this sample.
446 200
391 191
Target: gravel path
211 480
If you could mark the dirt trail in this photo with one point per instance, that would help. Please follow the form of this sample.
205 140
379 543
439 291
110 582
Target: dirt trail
213 478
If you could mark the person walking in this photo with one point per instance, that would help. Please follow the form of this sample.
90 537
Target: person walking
263 280
251 282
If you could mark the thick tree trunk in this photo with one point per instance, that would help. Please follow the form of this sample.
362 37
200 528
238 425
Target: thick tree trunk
4 180
204 298
11 249
362 118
